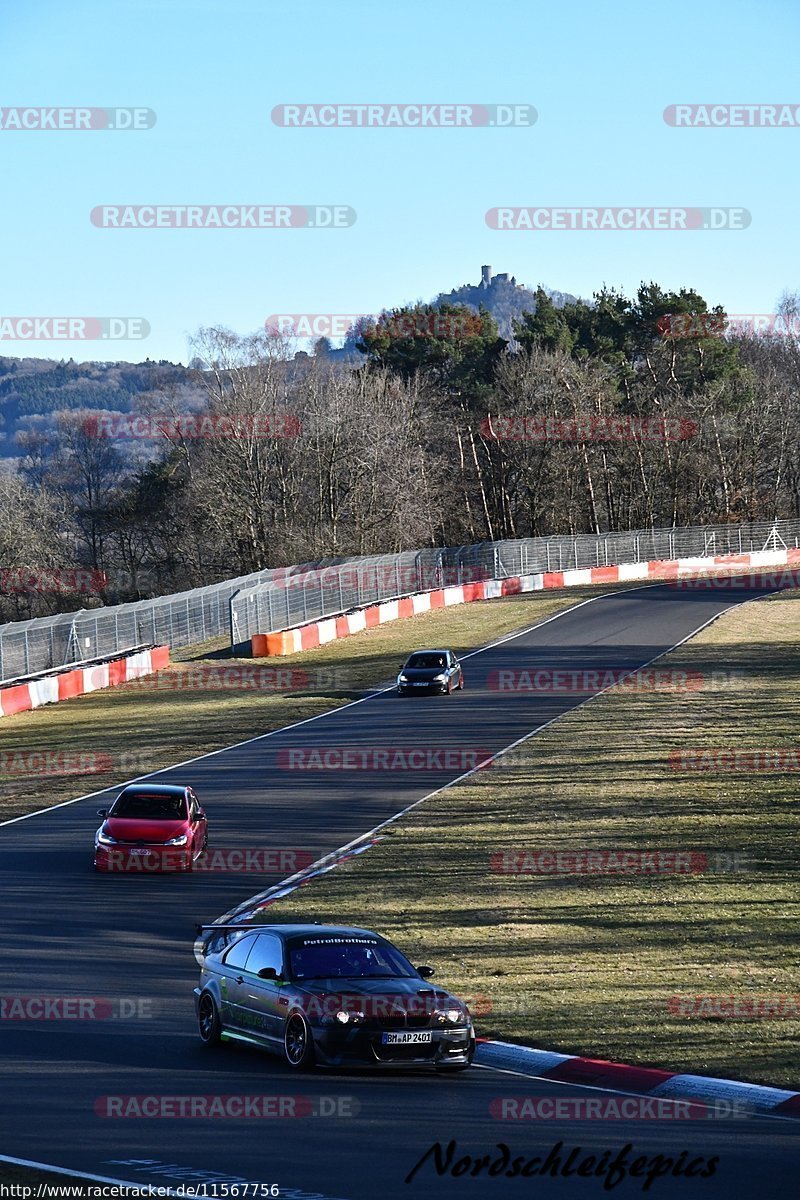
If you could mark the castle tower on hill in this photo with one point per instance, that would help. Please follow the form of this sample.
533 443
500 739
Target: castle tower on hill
488 281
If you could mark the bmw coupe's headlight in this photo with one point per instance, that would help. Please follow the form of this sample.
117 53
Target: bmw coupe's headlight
453 1016
105 839
349 1018
178 841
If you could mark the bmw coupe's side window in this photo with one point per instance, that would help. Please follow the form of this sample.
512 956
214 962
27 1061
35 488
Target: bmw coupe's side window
267 952
237 955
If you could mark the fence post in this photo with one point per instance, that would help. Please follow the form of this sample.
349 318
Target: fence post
232 620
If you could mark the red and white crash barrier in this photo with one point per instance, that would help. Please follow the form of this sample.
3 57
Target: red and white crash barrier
318 633
50 689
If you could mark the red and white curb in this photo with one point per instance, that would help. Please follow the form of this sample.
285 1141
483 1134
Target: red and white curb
50 689
319 633
636 1081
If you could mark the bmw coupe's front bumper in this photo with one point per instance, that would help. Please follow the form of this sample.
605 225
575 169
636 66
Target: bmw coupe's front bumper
367 1047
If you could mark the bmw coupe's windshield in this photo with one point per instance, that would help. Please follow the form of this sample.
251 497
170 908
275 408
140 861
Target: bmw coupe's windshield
426 662
149 807
340 958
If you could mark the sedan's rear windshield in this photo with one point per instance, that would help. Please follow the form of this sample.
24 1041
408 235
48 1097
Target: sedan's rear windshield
149 807
426 662
342 958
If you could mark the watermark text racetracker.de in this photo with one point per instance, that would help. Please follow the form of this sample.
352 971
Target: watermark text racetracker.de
613 1108
626 219
209 678
776 761
19 1007
147 427
588 429
742 1007
733 116
223 216
619 861
731 577
240 1106
383 758
677 326
76 119
564 681
72 581
403 116
394 326
405 578
73 329
223 860
44 762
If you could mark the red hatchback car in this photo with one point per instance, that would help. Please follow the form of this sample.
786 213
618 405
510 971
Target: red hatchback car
151 827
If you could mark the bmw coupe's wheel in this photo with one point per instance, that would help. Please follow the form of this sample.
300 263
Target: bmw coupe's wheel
298 1043
208 1021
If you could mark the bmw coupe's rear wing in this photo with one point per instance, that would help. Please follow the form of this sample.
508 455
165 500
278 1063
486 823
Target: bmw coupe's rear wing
215 937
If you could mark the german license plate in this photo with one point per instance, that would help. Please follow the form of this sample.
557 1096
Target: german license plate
408 1037
138 852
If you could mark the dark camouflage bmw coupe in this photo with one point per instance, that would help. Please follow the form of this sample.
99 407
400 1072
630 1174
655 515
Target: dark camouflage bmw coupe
328 996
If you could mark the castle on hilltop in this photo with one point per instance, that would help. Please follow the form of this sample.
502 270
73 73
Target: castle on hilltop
488 281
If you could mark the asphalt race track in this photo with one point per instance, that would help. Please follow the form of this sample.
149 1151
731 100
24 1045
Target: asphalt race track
68 932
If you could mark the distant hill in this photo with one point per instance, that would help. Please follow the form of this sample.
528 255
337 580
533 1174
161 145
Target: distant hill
32 389
501 296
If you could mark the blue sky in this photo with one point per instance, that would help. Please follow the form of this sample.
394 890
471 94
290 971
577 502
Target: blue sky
599 75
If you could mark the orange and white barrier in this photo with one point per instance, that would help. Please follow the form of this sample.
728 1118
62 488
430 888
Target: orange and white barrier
318 633
80 680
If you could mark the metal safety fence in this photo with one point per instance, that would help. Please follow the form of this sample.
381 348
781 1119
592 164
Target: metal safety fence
282 603
181 619
279 598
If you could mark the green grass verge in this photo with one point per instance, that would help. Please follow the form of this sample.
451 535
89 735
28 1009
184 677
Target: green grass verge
180 713
588 964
